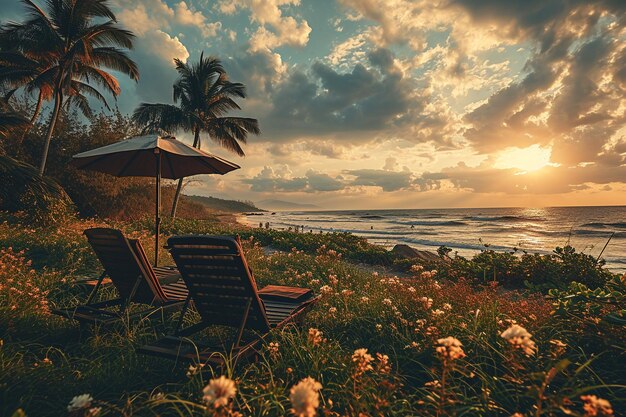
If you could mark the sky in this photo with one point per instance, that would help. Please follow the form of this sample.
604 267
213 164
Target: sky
368 104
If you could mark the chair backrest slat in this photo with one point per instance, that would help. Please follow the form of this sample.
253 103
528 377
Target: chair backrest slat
124 261
218 278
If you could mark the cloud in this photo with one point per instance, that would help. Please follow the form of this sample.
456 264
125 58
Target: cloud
188 17
281 180
275 29
388 178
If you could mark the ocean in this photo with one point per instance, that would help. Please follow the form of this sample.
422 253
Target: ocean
466 231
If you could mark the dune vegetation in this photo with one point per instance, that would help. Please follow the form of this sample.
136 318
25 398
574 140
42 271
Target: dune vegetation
429 343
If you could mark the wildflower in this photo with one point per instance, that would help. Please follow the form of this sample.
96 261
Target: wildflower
450 348
315 336
79 402
347 293
434 384
363 360
314 282
325 289
411 289
426 302
520 338
595 406
273 348
374 274
558 347
387 302
379 327
447 307
332 311
365 299
192 370
333 279
382 364
219 392
437 312
416 268
304 397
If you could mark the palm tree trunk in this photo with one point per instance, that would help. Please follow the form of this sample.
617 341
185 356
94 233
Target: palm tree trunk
58 99
179 187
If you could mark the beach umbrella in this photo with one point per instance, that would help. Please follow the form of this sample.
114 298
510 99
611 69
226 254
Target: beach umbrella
152 156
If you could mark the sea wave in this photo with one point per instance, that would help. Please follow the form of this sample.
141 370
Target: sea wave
427 223
504 218
619 225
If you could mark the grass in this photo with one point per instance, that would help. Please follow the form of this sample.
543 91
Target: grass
45 361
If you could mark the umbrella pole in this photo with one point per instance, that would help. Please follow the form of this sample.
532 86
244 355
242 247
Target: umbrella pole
157 220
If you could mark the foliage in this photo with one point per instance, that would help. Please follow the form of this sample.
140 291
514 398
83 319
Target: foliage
537 271
41 200
63 51
410 327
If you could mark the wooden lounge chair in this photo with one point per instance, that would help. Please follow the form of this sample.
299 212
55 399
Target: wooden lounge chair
224 293
126 265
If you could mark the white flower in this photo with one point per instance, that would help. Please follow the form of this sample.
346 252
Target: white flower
332 310
450 348
219 392
304 397
520 338
387 302
79 402
365 299
447 307
437 312
427 302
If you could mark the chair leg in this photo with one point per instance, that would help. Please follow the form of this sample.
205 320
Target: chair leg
127 301
182 314
243 324
96 288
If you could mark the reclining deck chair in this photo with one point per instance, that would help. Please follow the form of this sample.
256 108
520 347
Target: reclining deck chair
224 293
126 265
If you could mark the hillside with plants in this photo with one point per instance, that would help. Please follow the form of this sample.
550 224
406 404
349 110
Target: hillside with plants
218 204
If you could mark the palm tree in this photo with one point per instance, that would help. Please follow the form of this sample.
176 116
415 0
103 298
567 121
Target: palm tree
18 70
72 42
203 95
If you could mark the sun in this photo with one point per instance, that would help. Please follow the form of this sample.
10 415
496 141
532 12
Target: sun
527 159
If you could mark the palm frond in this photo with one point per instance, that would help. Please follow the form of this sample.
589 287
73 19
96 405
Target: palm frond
115 59
161 116
11 121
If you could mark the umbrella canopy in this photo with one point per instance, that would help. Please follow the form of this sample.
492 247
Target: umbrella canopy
152 156
135 157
